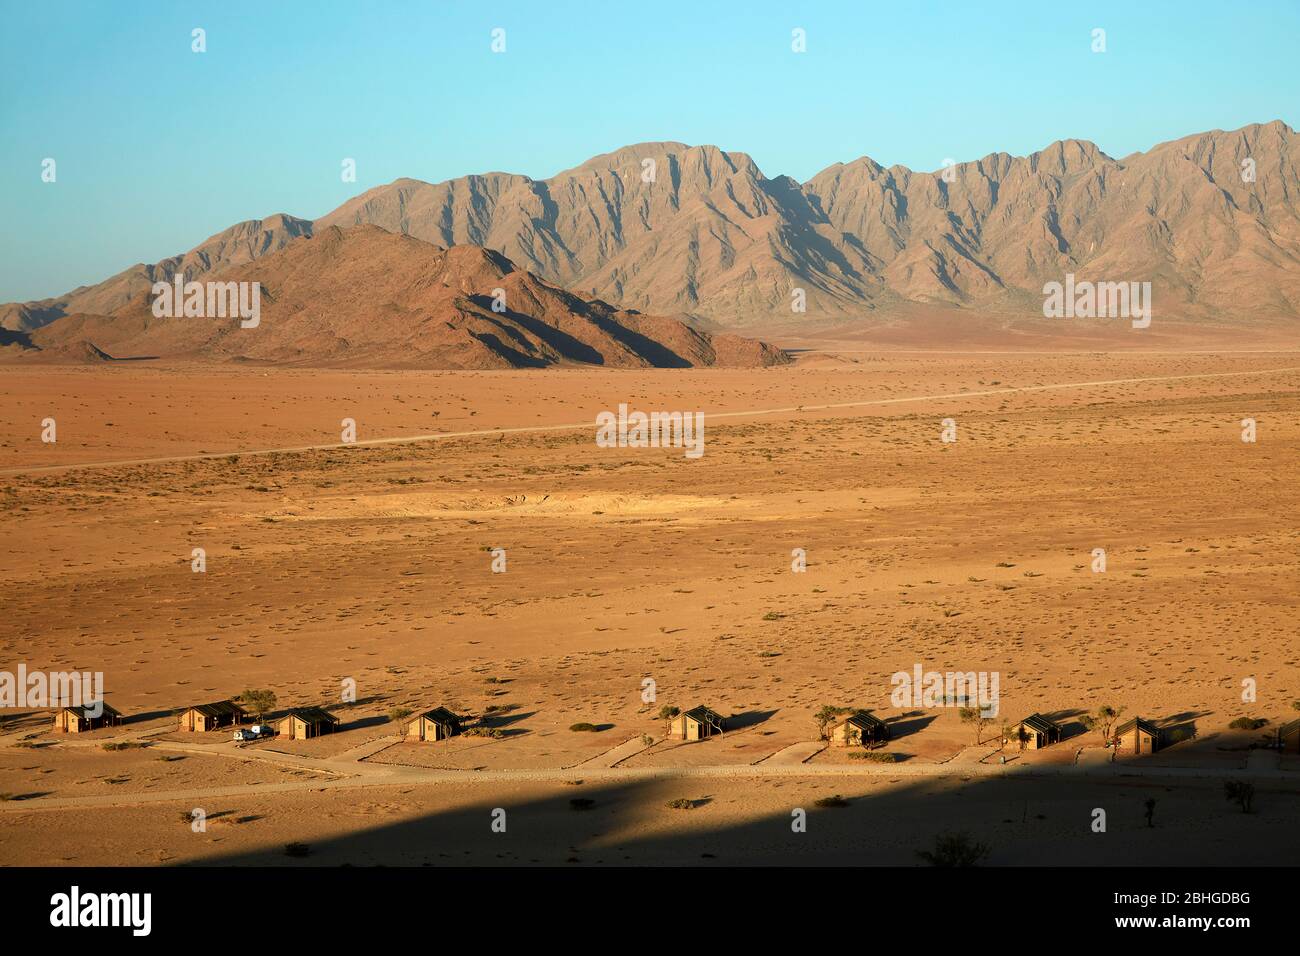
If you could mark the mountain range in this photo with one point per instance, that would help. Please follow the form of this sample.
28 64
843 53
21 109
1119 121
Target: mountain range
368 298
1212 220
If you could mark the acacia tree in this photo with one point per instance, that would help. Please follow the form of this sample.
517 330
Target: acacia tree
1104 720
260 702
1010 734
666 714
975 716
827 715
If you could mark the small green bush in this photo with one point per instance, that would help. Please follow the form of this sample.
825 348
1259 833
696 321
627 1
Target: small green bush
1248 723
876 756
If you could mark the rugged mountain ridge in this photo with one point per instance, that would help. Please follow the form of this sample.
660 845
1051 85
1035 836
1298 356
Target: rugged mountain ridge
364 297
666 227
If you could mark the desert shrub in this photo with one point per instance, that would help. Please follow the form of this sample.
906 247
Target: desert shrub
955 849
681 803
297 849
876 756
123 745
1240 792
584 727
493 732
833 801
397 713
1248 723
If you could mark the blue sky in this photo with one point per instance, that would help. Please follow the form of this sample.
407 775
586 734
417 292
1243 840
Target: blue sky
158 147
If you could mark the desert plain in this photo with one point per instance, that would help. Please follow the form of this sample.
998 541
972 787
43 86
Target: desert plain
372 562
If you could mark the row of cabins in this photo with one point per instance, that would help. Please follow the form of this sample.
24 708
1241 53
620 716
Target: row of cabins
1135 736
864 729
298 724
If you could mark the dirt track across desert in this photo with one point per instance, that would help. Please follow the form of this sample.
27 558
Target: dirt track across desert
523 430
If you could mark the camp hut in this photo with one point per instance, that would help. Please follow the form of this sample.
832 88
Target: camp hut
436 724
1036 732
696 724
76 720
1137 736
204 717
1288 738
304 722
859 730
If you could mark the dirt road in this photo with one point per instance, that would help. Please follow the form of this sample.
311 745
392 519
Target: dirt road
711 416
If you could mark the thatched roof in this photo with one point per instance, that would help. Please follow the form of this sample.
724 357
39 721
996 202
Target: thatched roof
1040 724
439 715
218 709
85 712
863 721
704 715
1144 725
311 715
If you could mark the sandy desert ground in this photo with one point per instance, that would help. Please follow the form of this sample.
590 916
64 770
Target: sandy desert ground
373 562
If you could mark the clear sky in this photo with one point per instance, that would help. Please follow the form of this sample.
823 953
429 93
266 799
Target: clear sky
158 147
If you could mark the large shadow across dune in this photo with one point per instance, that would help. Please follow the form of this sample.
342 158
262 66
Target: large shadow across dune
1023 819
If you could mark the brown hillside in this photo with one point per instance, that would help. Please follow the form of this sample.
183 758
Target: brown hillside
364 297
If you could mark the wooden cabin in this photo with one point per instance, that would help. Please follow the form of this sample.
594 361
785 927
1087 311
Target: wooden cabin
1137 736
697 723
302 723
1035 732
77 720
205 717
1288 738
436 724
859 730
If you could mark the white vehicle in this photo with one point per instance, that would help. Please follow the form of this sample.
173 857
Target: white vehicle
255 732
